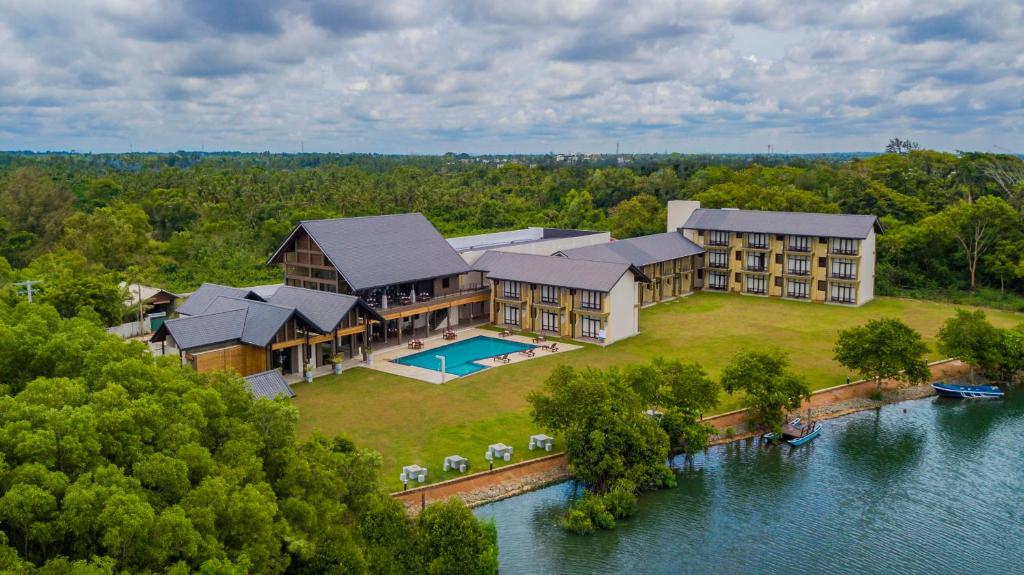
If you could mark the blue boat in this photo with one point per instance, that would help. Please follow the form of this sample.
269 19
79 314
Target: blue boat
797 433
967 391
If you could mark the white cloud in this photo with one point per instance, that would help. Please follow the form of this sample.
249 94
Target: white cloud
498 76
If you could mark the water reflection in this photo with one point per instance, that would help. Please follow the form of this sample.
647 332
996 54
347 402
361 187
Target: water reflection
879 450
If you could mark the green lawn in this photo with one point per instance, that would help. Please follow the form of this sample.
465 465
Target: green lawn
411 421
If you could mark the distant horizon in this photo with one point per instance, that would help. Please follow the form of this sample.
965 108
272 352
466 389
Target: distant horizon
483 154
423 77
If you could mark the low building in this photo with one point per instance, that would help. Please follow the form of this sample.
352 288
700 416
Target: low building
580 299
537 241
810 257
668 260
295 327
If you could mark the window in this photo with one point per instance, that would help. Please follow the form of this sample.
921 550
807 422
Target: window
717 238
797 289
511 315
325 274
756 285
738 278
549 320
510 289
778 258
718 280
821 285
548 294
778 282
798 265
739 256
844 269
590 299
757 240
700 274
445 283
843 294
591 327
799 244
755 262
844 247
328 288
718 259
779 237
822 262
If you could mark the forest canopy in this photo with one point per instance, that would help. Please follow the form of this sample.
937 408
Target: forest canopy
81 223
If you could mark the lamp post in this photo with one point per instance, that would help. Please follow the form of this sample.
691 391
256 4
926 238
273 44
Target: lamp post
441 357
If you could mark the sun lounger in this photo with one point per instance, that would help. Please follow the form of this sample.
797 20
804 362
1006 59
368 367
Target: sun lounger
527 352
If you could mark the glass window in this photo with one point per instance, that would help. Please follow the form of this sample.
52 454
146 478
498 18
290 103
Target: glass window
756 285
718 259
755 262
718 238
799 243
510 289
591 327
844 246
549 320
843 294
797 289
590 299
844 269
549 294
511 315
798 265
718 280
757 240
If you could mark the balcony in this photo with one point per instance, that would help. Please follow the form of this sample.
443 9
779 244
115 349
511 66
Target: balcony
719 265
427 302
717 243
799 249
797 295
844 300
756 291
842 252
757 247
842 276
798 272
758 269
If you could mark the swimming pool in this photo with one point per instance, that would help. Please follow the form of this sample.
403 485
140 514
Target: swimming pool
459 356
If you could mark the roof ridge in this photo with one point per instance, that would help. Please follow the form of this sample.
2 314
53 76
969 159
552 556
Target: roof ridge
782 212
363 217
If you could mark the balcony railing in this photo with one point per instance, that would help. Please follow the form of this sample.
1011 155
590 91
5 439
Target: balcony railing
589 306
718 265
404 304
757 246
801 249
798 272
750 268
718 287
842 300
797 295
549 301
718 243
842 276
843 252
757 291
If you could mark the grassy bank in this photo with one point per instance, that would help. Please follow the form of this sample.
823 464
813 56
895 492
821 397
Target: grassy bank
414 422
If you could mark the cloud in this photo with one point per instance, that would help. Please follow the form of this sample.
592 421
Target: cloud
440 75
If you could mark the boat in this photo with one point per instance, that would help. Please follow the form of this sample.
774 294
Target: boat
797 433
967 391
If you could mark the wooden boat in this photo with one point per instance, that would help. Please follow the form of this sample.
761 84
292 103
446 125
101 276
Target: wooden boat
967 391
797 433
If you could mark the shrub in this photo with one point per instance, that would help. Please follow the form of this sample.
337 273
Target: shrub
621 500
730 431
876 395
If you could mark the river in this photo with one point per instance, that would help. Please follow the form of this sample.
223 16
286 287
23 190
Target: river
926 486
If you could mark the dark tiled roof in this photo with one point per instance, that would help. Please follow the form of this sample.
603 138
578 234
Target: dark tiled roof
794 223
552 270
639 251
322 309
269 384
201 298
377 251
202 330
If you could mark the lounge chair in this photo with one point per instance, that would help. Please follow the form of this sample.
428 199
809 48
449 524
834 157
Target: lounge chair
504 333
552 348
527 352
450 334
502 358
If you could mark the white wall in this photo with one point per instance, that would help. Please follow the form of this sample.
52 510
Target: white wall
543 247
623 313
678 212
866 271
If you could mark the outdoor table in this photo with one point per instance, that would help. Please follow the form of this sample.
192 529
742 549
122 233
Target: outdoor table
456 462
413 472
542 441
500 451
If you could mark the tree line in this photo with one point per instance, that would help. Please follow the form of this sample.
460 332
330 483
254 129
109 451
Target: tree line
83 223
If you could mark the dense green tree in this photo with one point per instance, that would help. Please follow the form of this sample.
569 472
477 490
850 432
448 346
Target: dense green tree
883 348
73 285
770 388
35 208
114 237
115 461
976 228
970 337
638 216
753 197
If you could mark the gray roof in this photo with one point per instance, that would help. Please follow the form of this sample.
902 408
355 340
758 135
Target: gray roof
202 330
201 298
376 251
553 270
269 384
794 223
324 310
639 251
513 237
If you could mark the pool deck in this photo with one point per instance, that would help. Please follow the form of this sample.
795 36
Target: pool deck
382 361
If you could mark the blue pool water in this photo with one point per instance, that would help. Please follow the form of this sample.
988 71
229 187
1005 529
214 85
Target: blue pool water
459 356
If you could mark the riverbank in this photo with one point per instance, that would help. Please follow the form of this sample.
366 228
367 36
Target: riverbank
511 480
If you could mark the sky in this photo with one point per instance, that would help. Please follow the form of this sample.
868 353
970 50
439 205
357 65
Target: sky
510 76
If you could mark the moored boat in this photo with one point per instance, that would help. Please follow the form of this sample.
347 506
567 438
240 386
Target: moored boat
796 432
967 391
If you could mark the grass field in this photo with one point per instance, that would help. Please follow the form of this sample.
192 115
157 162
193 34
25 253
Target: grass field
411 421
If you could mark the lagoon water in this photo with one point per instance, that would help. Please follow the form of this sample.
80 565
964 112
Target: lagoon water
937 489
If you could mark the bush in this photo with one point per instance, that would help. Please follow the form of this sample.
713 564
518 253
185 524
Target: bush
730 431
577 521
621 500
876 395
588 514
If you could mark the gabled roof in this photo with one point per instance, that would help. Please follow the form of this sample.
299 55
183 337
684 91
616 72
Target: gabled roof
554 270
324 310
794 223
202 330
376 251
201 298
268 384
639 252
